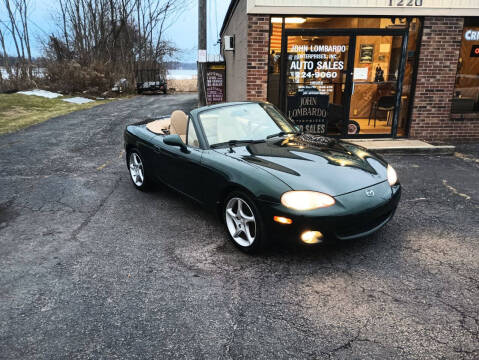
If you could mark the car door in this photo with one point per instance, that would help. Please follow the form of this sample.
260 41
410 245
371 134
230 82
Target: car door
182 169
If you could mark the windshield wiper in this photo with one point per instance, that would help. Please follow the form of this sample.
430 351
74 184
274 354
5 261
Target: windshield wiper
235 142
282 133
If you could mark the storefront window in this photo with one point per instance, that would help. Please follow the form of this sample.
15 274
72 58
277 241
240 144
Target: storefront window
375 80
274 61
344 23
316 82
466 92
338 82
376 71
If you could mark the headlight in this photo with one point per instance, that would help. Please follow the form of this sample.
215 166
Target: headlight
306 200
392 176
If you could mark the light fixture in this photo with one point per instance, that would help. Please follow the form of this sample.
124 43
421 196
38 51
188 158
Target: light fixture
295 20
392 175
283 220
276 20
311 237
306 200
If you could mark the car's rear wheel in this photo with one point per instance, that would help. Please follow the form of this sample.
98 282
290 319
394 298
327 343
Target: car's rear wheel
137 170
243 222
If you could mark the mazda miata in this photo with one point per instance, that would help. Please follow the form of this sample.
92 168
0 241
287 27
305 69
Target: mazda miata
250 164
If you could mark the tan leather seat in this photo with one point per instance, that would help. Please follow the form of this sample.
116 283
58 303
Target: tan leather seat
159 126
179 124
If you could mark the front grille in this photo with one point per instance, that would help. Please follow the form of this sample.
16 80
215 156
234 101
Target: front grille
363 226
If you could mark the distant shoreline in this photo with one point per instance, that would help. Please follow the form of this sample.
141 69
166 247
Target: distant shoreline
173 74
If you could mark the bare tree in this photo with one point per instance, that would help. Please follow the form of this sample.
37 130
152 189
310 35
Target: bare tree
6 65
121 35
17 30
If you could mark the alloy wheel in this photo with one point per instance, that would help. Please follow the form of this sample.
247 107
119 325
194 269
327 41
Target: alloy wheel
136 169
240 221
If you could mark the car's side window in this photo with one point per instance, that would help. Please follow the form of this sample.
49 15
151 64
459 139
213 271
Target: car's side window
191 138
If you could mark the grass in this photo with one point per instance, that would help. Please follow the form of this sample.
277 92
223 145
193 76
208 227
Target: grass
19 111
181 85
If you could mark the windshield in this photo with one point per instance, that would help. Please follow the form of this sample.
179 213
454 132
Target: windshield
243 122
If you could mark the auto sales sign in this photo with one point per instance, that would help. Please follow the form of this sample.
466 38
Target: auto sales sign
309 112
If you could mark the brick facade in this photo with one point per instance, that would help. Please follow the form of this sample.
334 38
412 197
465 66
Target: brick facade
258 49
431 117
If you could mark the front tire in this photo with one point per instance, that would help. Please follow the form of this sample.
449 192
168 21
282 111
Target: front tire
137 170
243 222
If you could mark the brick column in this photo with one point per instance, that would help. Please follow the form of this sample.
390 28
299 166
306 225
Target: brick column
258 49
440 47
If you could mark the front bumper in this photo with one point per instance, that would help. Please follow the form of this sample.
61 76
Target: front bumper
353 215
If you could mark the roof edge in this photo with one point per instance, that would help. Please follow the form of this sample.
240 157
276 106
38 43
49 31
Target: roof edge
228 15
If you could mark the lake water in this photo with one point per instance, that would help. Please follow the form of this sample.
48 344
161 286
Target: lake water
175 74
181 74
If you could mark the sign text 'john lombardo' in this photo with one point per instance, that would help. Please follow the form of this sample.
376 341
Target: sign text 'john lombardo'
316 61
309 112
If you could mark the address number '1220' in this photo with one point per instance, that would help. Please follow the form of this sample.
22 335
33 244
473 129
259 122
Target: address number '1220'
405 2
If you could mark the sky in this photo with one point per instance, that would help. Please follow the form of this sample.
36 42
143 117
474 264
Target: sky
183 30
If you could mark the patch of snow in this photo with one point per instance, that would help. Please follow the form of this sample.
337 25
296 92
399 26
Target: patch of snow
78 100
42 93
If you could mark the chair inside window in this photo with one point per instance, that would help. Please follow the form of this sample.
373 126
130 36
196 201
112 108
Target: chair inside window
384 103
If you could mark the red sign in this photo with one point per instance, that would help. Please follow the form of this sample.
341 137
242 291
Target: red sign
475 51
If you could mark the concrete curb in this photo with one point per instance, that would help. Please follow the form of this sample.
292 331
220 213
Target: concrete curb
406 150
404 147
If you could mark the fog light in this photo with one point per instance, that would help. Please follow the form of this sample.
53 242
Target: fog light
311 237
283 220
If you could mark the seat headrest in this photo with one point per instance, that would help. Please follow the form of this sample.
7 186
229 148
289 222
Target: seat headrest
179 122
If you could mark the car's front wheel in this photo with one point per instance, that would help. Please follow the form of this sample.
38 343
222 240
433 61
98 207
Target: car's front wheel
243 222
137 170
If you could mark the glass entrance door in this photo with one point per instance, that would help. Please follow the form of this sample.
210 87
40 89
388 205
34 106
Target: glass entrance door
377 60
345 84
317 82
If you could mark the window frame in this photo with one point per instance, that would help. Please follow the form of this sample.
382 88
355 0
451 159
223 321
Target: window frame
190 121
405 31
468 23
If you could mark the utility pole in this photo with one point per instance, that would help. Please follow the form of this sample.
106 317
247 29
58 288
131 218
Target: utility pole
202 55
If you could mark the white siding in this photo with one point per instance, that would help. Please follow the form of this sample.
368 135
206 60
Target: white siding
365 7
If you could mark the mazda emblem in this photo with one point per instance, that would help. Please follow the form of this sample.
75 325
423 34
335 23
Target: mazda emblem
369 192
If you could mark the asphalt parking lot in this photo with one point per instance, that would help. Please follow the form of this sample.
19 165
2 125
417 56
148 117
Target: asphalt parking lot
92 268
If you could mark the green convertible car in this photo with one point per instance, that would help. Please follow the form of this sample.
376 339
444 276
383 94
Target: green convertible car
265 179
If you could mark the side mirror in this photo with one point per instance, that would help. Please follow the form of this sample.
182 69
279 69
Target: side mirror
175 140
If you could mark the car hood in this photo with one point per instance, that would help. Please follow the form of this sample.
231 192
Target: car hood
326 165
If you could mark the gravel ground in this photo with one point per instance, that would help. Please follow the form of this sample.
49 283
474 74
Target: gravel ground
92 268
